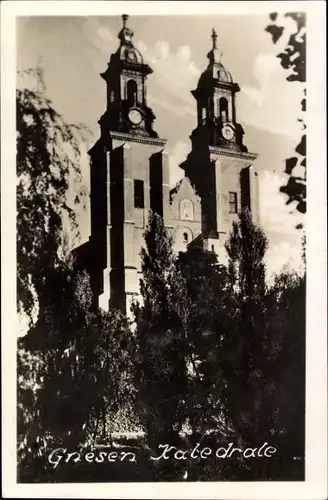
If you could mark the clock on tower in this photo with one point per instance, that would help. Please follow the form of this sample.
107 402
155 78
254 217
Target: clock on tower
135 116
219 165
228 132
126 78
129 177
216 103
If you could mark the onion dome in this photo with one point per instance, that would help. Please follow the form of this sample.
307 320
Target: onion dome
217 70
127 51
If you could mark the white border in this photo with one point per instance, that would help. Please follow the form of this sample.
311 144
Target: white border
315 486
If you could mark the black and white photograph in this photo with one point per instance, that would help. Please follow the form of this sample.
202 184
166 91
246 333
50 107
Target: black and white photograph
165 244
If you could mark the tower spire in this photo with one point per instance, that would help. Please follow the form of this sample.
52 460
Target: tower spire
214 55
125 35
214 37
125 17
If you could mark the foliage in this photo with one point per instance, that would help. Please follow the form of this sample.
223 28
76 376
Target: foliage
176 331
263 354
114 352
216 355
286 299
243 346
286 329
246 249
55 380
161 367
247 382
74 366
206 307
205 310
82 371
234 339
293 60
48 154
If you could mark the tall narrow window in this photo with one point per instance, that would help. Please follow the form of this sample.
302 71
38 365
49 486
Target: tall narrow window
139 200
203 115
233 203
131 92
209 109
185 238
223 109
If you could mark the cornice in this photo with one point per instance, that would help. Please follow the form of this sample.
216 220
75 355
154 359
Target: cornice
120 136
234 154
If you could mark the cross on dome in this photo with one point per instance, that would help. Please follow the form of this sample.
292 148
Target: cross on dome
125 35
214 55
125 17
214 38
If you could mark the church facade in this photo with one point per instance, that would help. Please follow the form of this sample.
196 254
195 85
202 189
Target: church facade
129 173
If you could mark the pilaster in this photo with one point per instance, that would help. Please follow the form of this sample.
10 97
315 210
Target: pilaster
159 177
218 193
254 195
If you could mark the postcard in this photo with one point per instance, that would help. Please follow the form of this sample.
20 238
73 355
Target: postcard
164 250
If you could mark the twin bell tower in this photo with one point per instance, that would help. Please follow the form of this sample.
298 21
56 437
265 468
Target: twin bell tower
129 173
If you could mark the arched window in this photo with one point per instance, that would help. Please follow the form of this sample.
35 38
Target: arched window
203 118
185 237
209 108
131 92
186 210
223 104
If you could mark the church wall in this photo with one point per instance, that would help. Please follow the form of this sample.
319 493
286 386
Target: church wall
255 195
135 161
160 184
185 229
130 173
230 182
232 176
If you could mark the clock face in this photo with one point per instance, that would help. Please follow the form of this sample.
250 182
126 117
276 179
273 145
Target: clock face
228 133
131 56
135 116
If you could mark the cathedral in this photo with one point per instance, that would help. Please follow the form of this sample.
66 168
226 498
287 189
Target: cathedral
129 173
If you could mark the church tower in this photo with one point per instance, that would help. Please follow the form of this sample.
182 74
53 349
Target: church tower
219 165
129 176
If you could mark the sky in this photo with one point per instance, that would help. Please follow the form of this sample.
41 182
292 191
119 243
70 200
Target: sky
73 51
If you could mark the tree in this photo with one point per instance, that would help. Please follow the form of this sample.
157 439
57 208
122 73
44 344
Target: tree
246 371
246 250
180 322
285 329
161 370
293 60
205 311
74 363
114 347
264 358
49 387
206 307
82 372
48 153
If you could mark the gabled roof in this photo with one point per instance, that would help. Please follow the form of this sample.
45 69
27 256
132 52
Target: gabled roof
185 180
175 189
